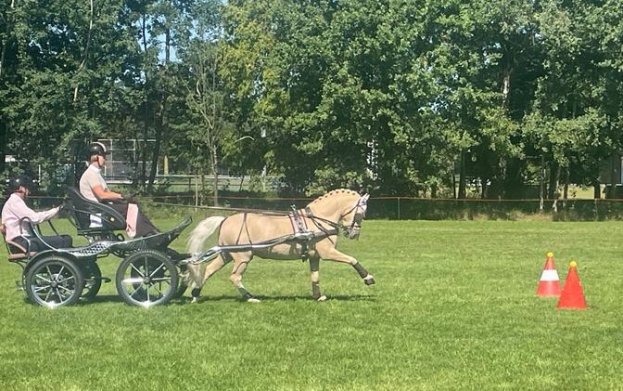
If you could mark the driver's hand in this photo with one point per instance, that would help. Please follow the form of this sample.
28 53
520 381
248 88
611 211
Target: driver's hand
131 198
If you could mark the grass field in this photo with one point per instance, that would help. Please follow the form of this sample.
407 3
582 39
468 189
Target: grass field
454 307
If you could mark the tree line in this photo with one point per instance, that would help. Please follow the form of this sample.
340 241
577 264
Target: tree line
402 97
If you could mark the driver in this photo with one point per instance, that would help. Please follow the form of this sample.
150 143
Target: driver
18 232
94 188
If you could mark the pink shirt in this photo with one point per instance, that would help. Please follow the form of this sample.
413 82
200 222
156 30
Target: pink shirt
16 209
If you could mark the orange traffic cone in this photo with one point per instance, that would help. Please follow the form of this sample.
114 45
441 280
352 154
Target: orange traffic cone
549 284
572 295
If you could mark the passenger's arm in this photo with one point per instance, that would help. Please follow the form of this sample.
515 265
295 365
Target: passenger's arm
23 211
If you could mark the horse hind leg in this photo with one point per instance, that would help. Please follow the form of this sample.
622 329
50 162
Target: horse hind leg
241 262
197 281
314 268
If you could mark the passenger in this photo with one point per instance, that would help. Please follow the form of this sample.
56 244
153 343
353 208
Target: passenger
93 187
17 231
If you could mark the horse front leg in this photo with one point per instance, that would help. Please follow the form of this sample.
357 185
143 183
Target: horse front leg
368 278
314 267
334 255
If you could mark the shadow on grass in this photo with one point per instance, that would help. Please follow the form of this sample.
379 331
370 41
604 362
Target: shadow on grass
187 300
101 299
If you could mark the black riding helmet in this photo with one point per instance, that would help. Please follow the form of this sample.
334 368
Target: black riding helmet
98 149
21 180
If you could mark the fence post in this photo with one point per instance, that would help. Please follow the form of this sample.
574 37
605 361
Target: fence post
196 191
398 208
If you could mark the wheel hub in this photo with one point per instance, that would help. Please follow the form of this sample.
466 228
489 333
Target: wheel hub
57 279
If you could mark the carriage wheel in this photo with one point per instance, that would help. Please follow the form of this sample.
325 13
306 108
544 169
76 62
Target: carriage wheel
54 281
146 278
92 280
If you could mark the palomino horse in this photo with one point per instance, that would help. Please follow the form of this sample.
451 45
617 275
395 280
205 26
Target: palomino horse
309 233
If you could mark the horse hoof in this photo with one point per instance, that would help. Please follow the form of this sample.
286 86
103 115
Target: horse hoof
253 300
322 298
369 280
194 300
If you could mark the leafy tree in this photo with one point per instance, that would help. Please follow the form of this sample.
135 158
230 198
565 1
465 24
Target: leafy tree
573 123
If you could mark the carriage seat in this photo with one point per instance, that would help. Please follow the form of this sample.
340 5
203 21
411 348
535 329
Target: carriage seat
80 210
15 251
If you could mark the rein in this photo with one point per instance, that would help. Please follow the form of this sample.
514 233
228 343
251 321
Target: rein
336 226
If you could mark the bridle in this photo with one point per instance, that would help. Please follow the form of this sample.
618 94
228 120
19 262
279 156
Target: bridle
360 213
351 231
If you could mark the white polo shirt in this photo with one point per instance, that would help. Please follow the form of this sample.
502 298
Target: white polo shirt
91 178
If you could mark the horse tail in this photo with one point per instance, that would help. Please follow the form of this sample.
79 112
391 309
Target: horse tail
202 232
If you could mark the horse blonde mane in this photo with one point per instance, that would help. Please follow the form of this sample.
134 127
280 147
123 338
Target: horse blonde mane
333 193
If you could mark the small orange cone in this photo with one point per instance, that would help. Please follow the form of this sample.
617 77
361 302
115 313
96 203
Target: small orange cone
572 295
549 284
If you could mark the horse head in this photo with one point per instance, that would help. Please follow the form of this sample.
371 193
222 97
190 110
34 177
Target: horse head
340 209
358 213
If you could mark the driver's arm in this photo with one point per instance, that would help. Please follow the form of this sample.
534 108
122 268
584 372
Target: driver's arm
105 195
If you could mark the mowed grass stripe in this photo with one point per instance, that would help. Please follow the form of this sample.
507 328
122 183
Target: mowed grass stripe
454 307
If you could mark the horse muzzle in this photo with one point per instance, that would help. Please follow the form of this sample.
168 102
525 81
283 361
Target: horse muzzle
353 232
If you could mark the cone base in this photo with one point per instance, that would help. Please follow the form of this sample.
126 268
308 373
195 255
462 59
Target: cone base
554 295
576 304
548 289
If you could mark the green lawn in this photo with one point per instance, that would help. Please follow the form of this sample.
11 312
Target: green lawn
454 307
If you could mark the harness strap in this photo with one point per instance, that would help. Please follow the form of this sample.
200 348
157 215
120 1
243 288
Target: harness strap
299 226
329 232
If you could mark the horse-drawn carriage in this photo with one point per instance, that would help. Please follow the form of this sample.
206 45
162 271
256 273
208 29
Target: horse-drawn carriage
149 272
147 275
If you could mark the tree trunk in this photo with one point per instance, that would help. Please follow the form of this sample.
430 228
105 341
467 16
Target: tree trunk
87 47
513 184
143 150
155 155
542 184
483 187
462 190
215 172
554 171
554 188
3 143
614 173
565 194
161 121
161 124
9 41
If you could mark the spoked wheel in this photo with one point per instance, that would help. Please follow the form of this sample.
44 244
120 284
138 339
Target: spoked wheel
147 278
92 280
54 281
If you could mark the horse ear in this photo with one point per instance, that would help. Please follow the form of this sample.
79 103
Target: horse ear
364 199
